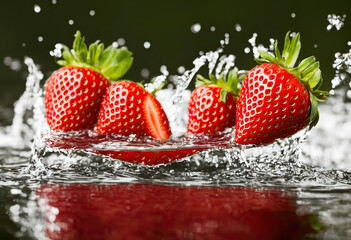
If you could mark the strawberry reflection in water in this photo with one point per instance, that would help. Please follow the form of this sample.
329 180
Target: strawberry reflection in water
170 212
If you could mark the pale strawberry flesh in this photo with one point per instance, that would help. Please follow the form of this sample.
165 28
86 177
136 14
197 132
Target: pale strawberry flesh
273 104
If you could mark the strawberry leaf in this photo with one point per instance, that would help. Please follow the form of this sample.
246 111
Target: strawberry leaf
223 95
267 56
314 116
200 80
293 51
307 73
315 80
113 63
228 83
277 52
233 82
80 48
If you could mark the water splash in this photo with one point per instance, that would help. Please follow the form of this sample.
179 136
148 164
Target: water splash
256 48
335 21
287 163
341 82
28 109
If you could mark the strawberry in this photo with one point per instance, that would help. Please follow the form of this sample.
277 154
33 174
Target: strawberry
277 99
73 93
213 103
151 157
128 109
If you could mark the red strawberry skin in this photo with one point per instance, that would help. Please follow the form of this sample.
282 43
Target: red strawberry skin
208 113
150 157
128 109
273 104
72 98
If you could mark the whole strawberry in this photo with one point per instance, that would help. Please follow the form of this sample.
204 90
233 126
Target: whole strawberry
278 99
213 103
128 109
74 92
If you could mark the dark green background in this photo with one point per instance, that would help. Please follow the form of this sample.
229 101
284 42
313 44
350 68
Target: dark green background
166 25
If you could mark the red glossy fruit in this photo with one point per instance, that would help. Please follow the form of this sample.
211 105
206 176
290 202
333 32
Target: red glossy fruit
212 106
151 157
74 92
72 98
277 99
171 212
128 109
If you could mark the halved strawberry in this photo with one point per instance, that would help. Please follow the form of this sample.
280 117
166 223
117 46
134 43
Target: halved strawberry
151 157
128 109
213 103
278 99
74 92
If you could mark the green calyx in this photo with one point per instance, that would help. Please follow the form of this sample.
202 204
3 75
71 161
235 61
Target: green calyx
307 71
111 62
227 82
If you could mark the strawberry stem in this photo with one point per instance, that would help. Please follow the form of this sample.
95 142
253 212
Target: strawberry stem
112 62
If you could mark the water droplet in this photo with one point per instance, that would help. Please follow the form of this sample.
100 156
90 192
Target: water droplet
121 41
7 60
37 8
196 28
145 73
271 45
23 44
13 64
163 70
247 50
115 44
335 21
255 48
181 69
92 13
147 45
315 45
54 1
213 28
57 52
293 15
349 43
70 22
40 39
348 94
237 27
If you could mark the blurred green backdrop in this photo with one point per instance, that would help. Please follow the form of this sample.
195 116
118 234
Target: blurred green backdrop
166 25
